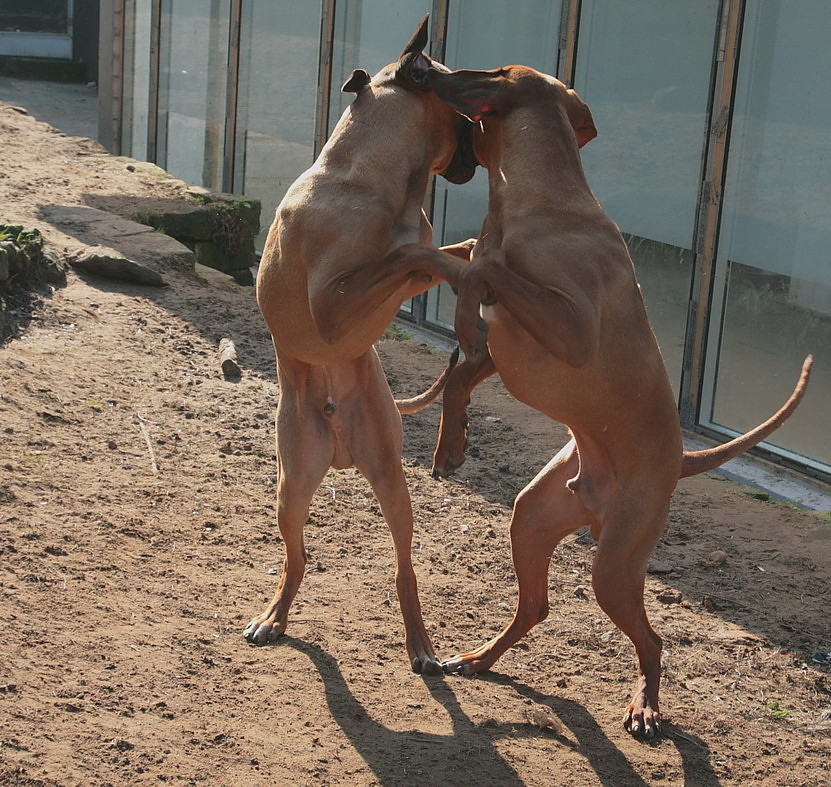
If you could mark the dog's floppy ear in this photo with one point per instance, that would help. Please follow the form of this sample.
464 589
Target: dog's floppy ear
357 79
473 94
413 64
581 119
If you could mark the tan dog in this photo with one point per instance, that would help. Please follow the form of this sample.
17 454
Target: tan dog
568 333
327 293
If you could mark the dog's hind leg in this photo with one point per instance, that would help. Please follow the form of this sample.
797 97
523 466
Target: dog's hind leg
304 454
376 441
623 550
390 488
544 512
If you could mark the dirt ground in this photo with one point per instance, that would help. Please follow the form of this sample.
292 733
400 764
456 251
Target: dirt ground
137 505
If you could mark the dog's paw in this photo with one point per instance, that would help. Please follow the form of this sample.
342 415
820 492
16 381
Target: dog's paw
643 723
262 631
445 467
458 665
473 337
426 666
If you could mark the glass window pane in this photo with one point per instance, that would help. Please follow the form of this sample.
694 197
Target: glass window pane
193 69
369 34
137 21
276 102
486 35
773 302
644 68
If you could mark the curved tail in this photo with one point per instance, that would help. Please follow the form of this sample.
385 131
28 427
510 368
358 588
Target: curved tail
416 403
695 462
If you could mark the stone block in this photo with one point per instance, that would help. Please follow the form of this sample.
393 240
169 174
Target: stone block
186 225
112 265
208 254
138 242
219 227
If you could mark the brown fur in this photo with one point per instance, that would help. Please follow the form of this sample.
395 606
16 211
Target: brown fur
327 291
566 328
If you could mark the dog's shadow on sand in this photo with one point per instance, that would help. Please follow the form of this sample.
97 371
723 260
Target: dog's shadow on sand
469 754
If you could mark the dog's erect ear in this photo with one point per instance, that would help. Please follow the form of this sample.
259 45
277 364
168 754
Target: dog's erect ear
357 79
473 94
581 119
413 64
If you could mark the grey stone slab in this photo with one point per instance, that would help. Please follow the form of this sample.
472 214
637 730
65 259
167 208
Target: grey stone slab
134 241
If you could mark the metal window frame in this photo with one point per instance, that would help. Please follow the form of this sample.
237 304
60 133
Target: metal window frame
708 221
229 146
155 71
569 36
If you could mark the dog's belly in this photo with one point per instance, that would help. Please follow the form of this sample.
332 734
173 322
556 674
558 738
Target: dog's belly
284 303
529 372
622 397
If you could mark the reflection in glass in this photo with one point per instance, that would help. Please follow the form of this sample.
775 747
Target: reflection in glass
192 89
134 129
278 67
644 69
773 278
369 34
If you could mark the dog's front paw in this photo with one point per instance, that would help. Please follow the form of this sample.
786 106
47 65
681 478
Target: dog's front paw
449 455
471 329
642 722
473 336
262 631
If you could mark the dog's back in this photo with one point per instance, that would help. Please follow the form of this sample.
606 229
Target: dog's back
360 199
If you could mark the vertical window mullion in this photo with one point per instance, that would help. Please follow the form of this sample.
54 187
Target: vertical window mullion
231 93
324 82
155 71
569 29
692 379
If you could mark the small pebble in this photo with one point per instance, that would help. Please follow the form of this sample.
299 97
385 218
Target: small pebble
544 719
660 567
670 596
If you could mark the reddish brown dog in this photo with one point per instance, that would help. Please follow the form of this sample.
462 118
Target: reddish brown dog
327 291
568 333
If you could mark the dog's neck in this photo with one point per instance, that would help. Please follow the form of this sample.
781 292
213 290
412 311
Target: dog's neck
551 167
398 163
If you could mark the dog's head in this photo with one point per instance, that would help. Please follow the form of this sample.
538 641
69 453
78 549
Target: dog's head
480 94
411 73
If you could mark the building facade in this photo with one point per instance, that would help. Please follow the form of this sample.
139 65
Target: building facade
713 154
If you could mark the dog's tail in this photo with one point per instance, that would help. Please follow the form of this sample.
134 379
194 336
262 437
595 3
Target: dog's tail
695 462
409 406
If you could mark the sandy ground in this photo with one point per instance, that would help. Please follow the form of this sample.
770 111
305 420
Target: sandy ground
137 539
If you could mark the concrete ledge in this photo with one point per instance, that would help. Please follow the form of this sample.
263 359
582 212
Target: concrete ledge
136 241
219 228
24 44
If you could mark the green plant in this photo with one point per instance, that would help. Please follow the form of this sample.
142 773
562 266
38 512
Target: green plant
775 711
395 333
